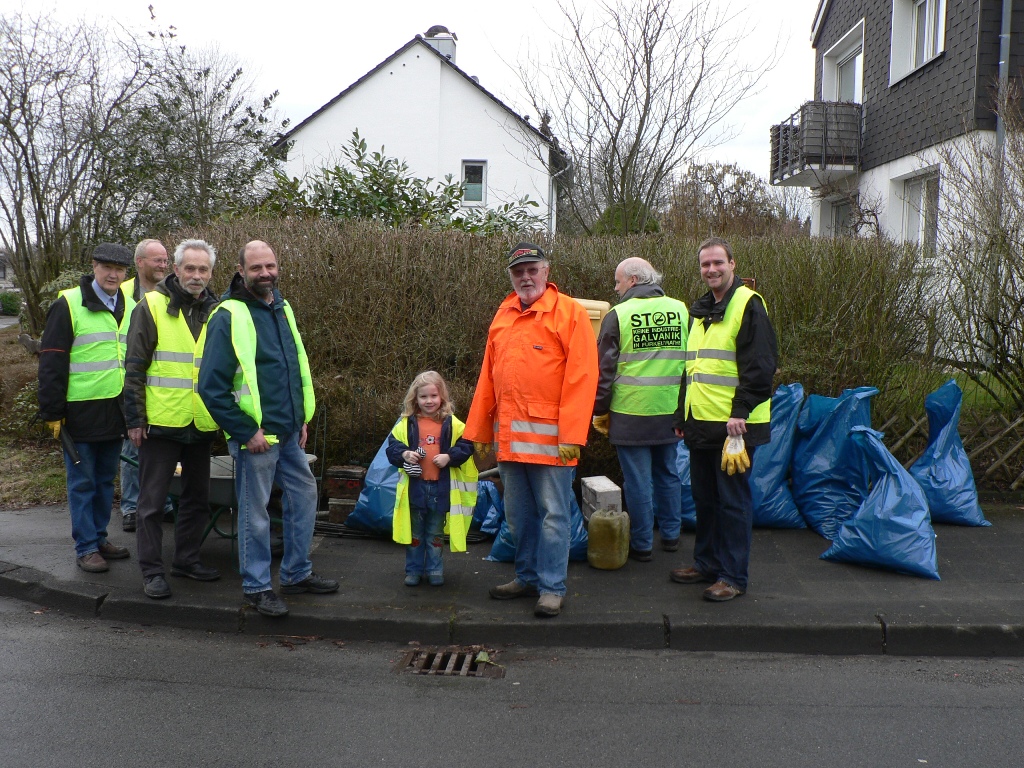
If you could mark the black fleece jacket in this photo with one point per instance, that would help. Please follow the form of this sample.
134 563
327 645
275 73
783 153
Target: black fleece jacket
87 421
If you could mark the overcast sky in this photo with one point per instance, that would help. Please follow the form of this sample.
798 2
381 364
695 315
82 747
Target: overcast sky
311 50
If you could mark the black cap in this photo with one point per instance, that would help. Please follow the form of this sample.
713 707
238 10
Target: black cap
112 253
524 252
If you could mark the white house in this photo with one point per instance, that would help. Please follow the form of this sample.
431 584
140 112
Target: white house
423 109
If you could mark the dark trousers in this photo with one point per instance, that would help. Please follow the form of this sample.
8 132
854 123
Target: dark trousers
725 517
157 460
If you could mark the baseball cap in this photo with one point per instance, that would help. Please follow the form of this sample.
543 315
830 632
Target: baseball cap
524 252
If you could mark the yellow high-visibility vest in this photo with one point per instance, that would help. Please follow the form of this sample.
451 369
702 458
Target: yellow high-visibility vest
98 350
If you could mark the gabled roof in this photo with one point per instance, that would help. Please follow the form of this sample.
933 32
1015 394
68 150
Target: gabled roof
819 17
445 60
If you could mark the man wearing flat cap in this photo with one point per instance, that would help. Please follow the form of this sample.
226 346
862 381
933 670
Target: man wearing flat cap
532 406
81 375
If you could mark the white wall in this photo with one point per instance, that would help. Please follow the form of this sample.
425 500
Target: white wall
428 115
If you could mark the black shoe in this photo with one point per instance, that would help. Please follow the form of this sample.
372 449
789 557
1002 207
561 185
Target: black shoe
267 603
318 585
670 545
640 555
128 523
196 571
156 587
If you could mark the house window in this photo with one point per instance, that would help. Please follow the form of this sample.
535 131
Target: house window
842 218
920 211
842 72
474 180
918 35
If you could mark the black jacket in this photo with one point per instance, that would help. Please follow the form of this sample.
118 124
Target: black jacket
142 341
756 356
87 421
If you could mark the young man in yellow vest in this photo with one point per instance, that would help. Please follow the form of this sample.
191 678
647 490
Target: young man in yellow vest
150 269
256 383
81 375
641 350
726 393
167 422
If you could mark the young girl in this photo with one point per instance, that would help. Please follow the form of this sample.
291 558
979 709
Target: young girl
436 479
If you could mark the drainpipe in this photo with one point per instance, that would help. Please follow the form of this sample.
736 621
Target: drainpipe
553 194
1004 67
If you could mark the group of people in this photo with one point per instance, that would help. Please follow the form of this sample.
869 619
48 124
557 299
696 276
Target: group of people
125 362
164 363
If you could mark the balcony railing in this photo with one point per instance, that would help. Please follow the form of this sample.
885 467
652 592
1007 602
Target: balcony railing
817 145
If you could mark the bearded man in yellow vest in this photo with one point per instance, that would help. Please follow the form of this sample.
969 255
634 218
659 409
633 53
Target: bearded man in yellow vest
641 349
81 375
167 421
725 393
256 383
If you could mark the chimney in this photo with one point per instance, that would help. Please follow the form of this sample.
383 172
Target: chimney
441 40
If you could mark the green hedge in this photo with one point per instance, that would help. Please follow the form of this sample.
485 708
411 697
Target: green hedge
377 306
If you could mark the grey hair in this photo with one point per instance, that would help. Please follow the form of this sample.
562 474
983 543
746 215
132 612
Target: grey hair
140 249
195 245
644 273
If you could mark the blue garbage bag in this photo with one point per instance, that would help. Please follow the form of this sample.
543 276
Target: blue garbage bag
683 467
829 473
769 476
375 509
490 508
944 471
892 528
504 548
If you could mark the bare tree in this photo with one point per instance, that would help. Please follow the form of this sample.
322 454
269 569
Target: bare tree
634 90
979 277
63 94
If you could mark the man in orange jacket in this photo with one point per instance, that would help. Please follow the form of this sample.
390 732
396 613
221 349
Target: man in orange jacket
533 404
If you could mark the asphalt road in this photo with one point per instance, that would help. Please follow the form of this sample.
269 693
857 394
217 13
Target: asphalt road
91 691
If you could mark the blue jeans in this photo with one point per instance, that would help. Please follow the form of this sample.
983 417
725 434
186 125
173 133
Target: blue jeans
725 516
653 492
255 475
537 503
91 493
424 554
130 481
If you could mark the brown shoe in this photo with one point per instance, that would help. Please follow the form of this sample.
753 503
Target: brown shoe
113 552
549 605
688 575
93 563
721 591
512 590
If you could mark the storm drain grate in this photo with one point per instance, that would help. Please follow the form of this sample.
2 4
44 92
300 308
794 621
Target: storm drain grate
450 662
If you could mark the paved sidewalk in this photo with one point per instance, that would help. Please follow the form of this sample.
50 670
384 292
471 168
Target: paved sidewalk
797 602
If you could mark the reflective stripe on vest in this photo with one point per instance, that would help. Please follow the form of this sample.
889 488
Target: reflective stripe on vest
536 438
245 386
711 372
652 356
462 492
172 380
96 368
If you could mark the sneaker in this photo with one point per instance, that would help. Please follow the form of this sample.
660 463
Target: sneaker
670 545
128 522
721 591
435 579
549 605
196 571
318 585
640 555
512 590
156 587
93 563
412 579
113 552
267 603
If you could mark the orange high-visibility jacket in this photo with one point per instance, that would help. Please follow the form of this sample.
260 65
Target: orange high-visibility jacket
539 377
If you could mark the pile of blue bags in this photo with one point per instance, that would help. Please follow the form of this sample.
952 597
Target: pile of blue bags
825 468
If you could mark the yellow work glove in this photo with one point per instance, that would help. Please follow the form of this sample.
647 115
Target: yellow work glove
601 423
568 452
482 450
734 456
55 428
